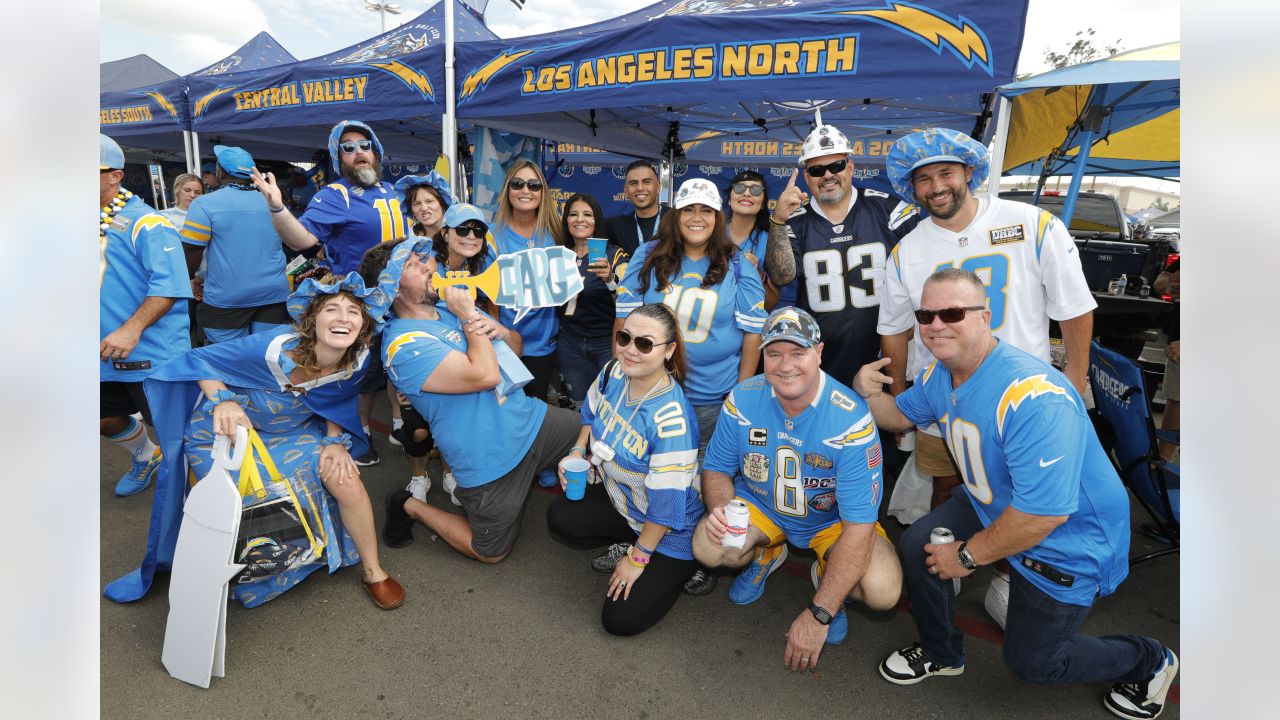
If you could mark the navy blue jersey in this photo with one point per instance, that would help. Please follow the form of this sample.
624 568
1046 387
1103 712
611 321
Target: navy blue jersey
349 219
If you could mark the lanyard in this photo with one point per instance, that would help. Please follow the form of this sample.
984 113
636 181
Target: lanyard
639 235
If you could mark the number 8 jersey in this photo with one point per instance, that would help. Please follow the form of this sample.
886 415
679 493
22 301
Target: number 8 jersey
805 472
840 270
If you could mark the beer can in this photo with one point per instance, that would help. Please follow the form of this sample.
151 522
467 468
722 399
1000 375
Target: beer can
941 536
737 517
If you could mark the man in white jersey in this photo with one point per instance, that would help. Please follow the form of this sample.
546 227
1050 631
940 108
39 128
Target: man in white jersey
1024 256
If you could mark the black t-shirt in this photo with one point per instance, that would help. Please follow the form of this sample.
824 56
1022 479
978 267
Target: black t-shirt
622 230
591 312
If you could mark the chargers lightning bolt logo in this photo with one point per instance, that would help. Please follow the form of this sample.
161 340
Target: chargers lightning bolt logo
203 103
162 101
409 76
962 38
1024 389
476 80
860 433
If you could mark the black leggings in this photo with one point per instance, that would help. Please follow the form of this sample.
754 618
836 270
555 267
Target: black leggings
542 368
414 422
593 522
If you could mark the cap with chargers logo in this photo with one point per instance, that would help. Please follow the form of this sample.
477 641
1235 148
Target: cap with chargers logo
793 325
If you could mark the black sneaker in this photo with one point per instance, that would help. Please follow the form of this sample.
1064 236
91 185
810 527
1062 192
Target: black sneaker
1144 700
700 583
398 530
609 560
909 666
369 458
396 436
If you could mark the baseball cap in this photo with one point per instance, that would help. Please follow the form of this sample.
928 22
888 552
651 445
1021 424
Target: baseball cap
459 213
110 156
697 191
207 168
792 325
236 161
934 145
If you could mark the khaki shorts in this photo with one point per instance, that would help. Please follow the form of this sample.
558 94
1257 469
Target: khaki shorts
1172 380
932 457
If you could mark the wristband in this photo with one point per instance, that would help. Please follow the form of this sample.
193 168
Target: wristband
638 562
641 548
220 396
776 223
344 440
276 210
578 447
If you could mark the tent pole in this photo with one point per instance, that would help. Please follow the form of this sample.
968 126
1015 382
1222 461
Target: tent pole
193 155
449 141
1004 111
1091 121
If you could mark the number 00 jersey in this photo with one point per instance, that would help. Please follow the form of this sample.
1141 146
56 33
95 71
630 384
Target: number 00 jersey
840 270
804 472
1020 436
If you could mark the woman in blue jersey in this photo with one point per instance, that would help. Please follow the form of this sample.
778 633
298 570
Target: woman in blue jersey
748 225
639 432
526 218
716 294
585 342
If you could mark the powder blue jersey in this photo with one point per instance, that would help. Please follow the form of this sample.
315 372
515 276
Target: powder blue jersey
140 257
1021 436
538 329
804 472
349 219
480 434
653 475
713 320
244 254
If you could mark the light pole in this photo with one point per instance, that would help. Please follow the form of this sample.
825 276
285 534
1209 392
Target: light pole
382 8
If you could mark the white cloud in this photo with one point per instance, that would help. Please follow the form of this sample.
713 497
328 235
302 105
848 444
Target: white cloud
184 37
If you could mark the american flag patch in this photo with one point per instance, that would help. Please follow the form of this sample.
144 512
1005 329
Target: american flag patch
873 455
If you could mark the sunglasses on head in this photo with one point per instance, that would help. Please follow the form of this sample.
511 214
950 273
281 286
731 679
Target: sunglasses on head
350 147
837 167
469 230
743 188
948 315
643 344
521 183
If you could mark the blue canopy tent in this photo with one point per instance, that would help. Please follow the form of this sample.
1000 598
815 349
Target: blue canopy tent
717 80
1118 116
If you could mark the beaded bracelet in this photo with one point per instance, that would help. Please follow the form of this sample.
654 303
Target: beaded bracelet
775 223
220 396
344 440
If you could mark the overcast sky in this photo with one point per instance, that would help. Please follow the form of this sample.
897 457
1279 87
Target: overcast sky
186 36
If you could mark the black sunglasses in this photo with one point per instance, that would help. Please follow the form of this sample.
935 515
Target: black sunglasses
520 183
350 147
837 167
743 188
948 315
469 230
643 344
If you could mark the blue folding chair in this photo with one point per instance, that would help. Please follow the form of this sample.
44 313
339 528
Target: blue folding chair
1125 427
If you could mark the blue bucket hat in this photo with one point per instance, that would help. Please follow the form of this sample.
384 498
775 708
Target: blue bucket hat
336 133
236 161
110 156
934 145
432 178
459 213
312 288
382 296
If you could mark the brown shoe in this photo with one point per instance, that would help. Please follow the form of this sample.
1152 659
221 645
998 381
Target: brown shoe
387 594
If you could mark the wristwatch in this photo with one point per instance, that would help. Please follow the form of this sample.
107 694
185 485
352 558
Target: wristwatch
966 560
822 616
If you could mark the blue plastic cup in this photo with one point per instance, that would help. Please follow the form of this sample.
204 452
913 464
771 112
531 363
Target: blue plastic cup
596 248
575 476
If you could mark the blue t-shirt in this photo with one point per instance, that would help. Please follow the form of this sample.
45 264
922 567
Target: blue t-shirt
539 328
1021 436
712 320
653 475
804 472
245 257
349 219
140 257
480 434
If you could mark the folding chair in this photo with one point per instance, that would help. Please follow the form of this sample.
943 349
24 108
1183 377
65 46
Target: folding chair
1128 434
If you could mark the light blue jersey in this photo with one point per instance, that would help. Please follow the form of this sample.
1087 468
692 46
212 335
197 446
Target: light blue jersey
538 329
481 435
140 256
712 320
1021 437
804 472
653 475
245 257
349 219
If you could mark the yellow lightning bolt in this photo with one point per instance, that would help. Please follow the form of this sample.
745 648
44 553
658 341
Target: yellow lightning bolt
162 101
933 29
401 341
149 220
411 77
203 103
699 139
1024 389
861 433
477 79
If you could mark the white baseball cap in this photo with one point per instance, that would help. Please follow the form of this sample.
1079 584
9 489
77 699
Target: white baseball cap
698 191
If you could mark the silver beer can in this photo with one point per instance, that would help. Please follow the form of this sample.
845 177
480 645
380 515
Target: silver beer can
737 517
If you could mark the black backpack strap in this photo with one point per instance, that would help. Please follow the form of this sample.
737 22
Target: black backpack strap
605 374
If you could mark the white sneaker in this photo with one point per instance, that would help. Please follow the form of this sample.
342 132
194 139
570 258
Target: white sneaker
419 486
909 666
451 484
1144 700
997 601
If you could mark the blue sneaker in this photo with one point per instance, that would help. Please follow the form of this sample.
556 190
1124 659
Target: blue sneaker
139 476
547 478
749 585
838 629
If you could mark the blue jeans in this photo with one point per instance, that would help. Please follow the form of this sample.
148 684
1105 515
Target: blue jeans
1041 642
581 360
708 416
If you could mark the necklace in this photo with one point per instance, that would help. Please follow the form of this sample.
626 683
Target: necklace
109 212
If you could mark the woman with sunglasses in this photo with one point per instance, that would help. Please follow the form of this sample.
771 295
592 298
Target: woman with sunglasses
749 224
585 342
640 434
717 297
526 218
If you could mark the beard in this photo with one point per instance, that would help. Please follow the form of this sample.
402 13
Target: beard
948 211
363 176
836 195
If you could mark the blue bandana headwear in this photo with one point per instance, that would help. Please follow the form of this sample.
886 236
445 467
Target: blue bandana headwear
312 288
336 133
384 294
432 178
931 146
